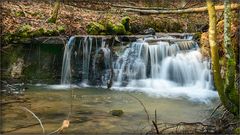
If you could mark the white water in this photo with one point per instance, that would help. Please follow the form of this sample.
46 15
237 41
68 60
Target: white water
82 59
163 69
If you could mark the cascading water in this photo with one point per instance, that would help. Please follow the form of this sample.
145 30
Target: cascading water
85 62
166 67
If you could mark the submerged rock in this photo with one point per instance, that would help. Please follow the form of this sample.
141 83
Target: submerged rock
118 113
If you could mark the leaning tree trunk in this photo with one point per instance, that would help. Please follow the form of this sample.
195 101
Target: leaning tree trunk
54 15
218 81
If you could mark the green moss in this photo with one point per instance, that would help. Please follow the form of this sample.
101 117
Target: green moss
95 28
51 32
119 29
8 37
25 28
61 29
126 23
237 130
38 32
109 28
52 20
20 14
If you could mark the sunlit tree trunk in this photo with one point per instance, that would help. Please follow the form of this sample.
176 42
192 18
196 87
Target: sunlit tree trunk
229 104
54 15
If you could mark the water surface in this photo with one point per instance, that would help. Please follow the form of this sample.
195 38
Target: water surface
88 110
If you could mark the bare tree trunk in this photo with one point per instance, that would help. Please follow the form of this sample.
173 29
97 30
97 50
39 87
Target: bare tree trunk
54 15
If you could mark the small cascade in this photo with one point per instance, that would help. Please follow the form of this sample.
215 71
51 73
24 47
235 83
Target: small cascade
86 61
161 66
169 68
66 66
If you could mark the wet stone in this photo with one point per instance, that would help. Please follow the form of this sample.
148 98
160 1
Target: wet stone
118 113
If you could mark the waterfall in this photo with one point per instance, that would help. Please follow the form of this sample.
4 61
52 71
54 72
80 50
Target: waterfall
66 68
164 66
86 61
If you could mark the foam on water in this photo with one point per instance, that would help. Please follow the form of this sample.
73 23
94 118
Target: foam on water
57 86
165 88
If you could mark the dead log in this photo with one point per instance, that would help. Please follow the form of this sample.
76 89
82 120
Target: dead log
146 11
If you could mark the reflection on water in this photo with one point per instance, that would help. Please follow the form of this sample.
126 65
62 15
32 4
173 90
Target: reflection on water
88 111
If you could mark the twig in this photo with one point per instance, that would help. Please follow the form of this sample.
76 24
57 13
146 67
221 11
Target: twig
213 112
156 127
142 106
215 109
40 122
54 131
155 116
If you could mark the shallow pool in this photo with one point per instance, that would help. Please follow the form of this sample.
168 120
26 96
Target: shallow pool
88 110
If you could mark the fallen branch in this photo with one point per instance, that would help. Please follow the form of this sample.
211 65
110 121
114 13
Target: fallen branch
142 8
40 122
146 11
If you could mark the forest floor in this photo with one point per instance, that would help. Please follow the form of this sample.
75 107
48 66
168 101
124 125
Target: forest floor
75 16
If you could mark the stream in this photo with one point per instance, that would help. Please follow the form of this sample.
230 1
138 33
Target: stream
88 110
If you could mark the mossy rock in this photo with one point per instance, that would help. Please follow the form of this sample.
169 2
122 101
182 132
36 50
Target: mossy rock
126 23
237 130
95 28
38 32
119 29
109 28
61 29
51 32
118 113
